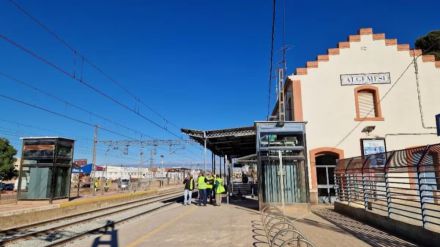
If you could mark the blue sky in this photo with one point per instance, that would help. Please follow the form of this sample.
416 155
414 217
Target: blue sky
201 64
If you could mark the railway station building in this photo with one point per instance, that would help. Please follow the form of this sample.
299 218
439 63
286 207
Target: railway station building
370 94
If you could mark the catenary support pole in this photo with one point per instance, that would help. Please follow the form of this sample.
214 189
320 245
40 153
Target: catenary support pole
95 142
204 155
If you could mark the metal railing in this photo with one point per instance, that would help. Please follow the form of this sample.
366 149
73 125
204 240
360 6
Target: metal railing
280 230
403 185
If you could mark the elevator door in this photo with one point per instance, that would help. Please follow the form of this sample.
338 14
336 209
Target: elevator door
293 193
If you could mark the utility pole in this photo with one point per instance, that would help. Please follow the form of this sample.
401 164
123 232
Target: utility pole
281 103
92 175
204 155
141 164
152 154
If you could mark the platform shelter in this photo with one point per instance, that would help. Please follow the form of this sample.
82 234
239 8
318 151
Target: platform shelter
46 167
277 149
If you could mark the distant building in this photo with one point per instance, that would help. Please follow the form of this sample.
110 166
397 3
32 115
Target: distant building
369 95
115 172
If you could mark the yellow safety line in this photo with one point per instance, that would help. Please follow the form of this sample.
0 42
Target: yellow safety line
159 228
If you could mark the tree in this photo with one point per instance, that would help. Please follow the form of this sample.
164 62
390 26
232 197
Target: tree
430 44
7 160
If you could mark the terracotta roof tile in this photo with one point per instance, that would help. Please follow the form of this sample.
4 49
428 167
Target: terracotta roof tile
333 51
312 64
378 36
428 58
301 71
364 31
391 42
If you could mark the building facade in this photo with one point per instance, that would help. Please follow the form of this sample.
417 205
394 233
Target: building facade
370 94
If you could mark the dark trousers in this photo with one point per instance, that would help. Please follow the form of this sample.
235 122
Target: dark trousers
209 194
202 197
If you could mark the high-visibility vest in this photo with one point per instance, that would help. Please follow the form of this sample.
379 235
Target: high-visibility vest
219 188
191 181
211 179
201 183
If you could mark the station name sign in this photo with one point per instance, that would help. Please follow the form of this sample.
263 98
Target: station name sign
363 79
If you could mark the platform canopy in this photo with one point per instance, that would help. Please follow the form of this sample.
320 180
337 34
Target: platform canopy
234 142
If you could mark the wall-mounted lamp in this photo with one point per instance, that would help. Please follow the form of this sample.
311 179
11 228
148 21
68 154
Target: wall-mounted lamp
368 129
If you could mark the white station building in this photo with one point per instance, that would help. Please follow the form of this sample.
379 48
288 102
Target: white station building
367 95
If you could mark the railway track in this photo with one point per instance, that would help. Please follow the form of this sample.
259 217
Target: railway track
65 229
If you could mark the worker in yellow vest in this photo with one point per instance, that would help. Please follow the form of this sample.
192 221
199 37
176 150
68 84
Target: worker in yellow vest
209 186
189 187
219 190
201 185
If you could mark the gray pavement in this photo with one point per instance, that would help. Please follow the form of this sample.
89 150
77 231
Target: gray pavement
235 225
325 227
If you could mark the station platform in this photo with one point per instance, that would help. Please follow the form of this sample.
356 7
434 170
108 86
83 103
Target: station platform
237 224
27 212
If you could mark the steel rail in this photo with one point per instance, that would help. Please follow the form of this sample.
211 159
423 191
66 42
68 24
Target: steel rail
100 213
108 224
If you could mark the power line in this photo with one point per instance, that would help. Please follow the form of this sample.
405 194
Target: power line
66 116
21 82
18 130
67 103
62 115
85 83
84 58
19 133
271 57
129 92
15 133
96 67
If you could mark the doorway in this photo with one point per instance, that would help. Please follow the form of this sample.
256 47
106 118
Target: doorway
325 167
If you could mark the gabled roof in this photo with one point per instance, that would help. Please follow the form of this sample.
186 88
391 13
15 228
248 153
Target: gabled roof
357 38
310 65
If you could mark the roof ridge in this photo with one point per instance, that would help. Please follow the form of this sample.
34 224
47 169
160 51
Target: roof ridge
313 64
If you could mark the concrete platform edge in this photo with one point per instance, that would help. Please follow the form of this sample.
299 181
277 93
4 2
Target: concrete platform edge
34 215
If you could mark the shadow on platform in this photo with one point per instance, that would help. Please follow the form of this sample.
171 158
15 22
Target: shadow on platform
244 203
109 236
366 233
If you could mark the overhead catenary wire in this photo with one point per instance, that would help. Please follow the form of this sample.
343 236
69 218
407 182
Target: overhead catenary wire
97 68
24 125
93 65
29 85
87 60
62 115
85 83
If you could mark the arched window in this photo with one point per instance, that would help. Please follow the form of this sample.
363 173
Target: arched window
367 103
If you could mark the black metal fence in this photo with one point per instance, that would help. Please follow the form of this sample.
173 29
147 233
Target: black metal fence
403 185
